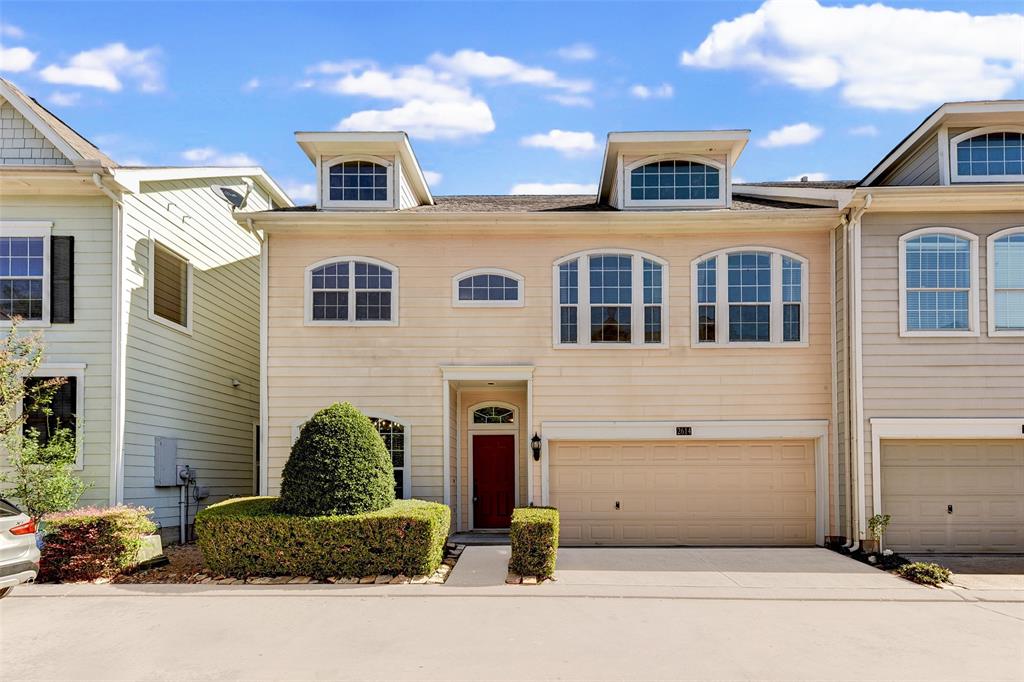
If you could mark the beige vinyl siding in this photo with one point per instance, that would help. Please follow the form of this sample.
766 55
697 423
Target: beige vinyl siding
406 199
21 144
88 340
919 167
840 473
180 385
974 376
395 370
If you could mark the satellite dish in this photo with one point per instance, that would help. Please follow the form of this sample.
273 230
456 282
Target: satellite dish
232 195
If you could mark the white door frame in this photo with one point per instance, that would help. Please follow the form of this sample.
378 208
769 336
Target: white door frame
938 428
810 429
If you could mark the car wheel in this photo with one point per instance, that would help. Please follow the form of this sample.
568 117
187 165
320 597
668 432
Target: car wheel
4 591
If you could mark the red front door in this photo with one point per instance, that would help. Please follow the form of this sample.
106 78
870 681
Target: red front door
494 480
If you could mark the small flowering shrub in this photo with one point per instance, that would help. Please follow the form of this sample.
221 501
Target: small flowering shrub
925 573
92 542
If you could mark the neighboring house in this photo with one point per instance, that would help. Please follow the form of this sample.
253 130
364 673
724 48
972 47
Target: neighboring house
930 334
147 294
680 360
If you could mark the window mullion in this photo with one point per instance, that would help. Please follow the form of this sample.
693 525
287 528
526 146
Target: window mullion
583 301
637 323
351 289
721 300
775 309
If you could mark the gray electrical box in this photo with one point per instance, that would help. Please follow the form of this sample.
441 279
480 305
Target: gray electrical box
165 457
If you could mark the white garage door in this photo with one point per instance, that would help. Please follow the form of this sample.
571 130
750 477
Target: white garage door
695 493
954 496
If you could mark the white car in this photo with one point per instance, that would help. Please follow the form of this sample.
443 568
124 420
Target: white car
19 555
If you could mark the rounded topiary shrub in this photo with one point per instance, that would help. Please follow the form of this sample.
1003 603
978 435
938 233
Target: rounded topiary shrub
339 465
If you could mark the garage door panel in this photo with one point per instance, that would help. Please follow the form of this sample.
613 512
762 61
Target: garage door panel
982 480
708 493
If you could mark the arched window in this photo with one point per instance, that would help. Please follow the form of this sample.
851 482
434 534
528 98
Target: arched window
357 182
665 182
987 154
494 414
938 290
1006 282
352 291
487 287
610 297
749 295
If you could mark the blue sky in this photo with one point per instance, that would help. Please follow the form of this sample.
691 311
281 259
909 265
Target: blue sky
508 96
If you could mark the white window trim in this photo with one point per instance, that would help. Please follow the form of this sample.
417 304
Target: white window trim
76 370
518 303
406 445
151 286
32 228
351 322
583 301
722 300
723 183
973 299
954 174
990 268
473 429
325 183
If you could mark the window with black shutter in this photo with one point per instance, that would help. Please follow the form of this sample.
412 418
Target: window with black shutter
62 280
63 409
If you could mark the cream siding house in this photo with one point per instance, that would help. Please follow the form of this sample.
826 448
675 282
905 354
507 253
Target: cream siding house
558 350
173 366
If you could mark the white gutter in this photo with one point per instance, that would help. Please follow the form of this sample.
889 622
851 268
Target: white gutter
857 371
118 344
262 485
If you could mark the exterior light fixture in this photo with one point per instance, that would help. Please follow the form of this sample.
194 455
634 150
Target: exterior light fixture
535 446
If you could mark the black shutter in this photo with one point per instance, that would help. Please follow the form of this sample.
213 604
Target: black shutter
62 280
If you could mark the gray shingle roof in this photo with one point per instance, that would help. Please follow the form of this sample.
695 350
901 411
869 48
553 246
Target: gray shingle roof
822 184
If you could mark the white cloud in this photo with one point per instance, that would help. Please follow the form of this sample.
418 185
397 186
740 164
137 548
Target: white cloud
567 142
402 85
864 131
105 66
662 91
571 100
553 188
816 176
577 52
428 120
477 64
65 99
252 84
211 156
301 191
880 57
788 136
11 31
16 59
433 177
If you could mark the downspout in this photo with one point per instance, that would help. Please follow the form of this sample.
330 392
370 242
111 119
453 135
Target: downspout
117 352
262 485
857 373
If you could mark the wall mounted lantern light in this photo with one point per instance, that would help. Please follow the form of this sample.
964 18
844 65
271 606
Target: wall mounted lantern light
535 446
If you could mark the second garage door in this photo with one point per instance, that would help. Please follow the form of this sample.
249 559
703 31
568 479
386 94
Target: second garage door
954 496
697 493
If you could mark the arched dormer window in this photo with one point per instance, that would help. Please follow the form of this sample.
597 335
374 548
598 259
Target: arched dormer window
750 295
352 291
674 182
610 297
358 182
487 287
987 155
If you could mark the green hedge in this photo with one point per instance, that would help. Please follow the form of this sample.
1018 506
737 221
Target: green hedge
92 542
247 537
534 536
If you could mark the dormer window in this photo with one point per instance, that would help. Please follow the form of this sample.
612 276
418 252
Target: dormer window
987 155
358 182
674 182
